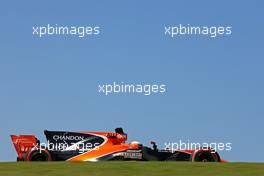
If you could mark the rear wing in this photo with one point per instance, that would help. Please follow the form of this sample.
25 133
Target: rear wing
23 144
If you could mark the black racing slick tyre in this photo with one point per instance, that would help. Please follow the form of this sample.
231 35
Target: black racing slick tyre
39 155
205 156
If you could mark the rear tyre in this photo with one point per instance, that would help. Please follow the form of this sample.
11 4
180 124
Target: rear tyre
39 155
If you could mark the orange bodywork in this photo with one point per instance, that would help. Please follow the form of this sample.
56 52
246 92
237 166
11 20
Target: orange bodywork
114 143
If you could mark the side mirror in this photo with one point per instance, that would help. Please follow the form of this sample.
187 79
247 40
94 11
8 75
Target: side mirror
154 145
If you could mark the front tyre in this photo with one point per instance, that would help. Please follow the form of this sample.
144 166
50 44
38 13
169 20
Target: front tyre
205 156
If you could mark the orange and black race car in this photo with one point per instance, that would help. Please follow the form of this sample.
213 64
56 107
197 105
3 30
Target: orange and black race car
100 146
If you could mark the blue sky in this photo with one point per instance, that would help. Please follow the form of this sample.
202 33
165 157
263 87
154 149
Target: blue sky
214 86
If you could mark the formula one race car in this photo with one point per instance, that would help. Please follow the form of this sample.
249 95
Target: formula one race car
100 146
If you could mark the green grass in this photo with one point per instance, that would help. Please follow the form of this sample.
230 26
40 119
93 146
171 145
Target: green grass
130 168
